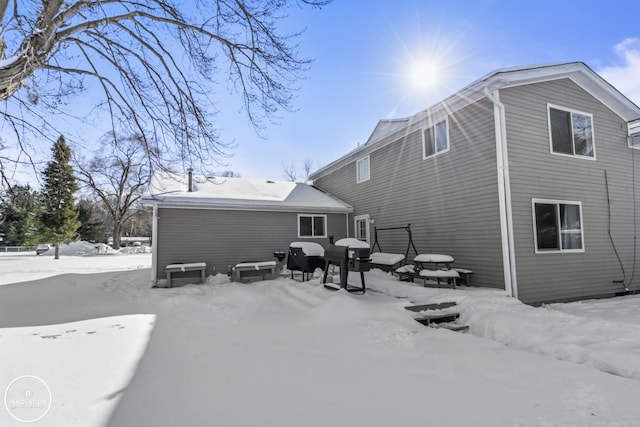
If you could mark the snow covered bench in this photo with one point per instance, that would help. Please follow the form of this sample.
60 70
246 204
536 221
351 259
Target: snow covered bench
386 261
465 276
252 269
182 268
438 275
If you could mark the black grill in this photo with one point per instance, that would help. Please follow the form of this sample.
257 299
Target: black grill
304 257
348 255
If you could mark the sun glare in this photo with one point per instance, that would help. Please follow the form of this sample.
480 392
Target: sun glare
425 74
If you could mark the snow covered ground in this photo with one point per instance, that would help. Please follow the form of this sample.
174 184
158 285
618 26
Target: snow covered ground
115 352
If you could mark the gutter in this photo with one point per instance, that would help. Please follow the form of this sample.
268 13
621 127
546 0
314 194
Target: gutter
504 195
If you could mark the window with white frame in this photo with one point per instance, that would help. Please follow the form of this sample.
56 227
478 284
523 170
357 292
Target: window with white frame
362 169
571 132
557 226
312 225
362 227
435 140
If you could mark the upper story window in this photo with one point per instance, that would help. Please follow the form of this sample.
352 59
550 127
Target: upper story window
362 169
557 226
435 140
312 225
571 132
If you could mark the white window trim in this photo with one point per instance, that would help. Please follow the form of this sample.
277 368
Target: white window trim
571 110
535 231
358 180
313 236
437 153
367 220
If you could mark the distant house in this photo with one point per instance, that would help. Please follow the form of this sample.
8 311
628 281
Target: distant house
226 221
528 176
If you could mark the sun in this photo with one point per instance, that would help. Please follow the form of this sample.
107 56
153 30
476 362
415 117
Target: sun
425 74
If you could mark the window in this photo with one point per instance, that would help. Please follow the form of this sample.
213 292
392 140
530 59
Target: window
558 226
312 225
362 227
362 169
435 140
571 133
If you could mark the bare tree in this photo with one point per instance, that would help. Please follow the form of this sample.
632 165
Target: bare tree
290 171
147 64
117 177
308 168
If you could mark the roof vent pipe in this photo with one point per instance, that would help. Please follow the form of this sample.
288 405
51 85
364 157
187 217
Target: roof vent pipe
190 172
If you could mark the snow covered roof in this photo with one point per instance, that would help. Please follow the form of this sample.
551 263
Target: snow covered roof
171 190
502 78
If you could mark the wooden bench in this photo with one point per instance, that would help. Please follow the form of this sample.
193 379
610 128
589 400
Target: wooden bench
386 261
247 269
437 275
182 268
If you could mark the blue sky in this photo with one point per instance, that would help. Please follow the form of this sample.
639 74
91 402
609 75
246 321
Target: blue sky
365 55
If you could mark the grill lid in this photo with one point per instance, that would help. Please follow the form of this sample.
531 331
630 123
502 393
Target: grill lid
352 243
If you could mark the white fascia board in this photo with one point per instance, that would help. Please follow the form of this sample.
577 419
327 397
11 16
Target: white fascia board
251 207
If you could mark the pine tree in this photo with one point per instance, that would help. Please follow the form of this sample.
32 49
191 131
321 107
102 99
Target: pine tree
59 216
20 209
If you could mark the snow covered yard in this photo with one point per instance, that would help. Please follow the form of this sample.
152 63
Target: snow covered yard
115 352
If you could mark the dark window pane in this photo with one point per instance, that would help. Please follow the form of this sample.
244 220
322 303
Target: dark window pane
441 136
429 143
561 131
305 226
318 226
582 134
546 226
361 229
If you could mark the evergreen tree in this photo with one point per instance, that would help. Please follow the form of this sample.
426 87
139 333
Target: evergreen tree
92 218
59 216
19 209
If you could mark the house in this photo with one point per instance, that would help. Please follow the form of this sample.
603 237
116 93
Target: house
529 177
226 221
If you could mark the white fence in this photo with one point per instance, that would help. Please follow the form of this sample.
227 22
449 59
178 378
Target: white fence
17 248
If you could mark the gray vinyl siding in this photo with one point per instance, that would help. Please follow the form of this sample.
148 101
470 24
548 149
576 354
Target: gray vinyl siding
450 200
223 238
536 173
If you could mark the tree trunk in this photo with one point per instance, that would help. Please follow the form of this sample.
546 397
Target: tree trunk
117 231
57 251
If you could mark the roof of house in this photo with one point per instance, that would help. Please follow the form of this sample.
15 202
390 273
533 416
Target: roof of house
502 78
171 190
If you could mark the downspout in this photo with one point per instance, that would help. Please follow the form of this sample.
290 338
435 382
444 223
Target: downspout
504 195
348 224
154 247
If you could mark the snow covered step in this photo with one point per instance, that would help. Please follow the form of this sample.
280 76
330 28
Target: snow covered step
428 319
425 307
432 315
455 327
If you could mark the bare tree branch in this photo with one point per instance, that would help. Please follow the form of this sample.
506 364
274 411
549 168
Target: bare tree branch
151 66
